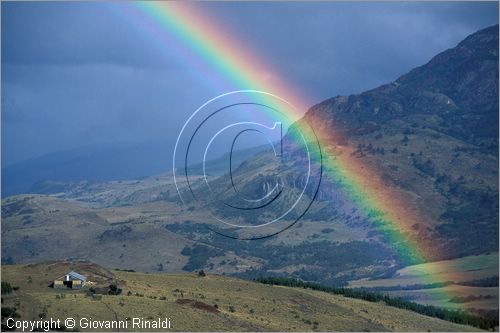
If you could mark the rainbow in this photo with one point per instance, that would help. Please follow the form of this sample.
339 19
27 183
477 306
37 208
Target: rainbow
222 61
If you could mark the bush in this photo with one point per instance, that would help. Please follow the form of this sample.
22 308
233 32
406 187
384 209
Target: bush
114 290
6 288
231 308
9 312
202 273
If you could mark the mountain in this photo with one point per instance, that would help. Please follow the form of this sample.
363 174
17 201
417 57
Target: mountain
432 137
102 163
456 93
91 163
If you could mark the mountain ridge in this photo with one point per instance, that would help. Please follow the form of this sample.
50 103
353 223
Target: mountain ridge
484 42
431 136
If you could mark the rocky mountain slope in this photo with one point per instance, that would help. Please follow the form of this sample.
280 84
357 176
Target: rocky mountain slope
431 136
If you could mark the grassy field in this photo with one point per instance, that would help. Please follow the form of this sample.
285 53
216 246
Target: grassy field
460 270
209 303
456 270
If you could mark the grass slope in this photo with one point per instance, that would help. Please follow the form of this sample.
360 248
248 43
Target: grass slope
455 273
189 301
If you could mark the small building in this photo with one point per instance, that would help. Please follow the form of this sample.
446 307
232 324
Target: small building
72 280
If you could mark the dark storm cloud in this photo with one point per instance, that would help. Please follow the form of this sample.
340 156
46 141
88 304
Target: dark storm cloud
71 33
77 73
65 106
344 48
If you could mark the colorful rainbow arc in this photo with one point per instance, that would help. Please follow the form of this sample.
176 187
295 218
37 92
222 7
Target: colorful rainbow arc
201 42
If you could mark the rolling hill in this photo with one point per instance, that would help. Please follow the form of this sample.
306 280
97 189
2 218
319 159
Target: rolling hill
208 303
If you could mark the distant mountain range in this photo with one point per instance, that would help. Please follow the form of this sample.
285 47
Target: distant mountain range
97 163
92 163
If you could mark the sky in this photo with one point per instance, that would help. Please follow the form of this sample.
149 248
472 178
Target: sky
81 73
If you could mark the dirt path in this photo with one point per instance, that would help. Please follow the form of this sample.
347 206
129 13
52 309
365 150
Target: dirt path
31 307
113 312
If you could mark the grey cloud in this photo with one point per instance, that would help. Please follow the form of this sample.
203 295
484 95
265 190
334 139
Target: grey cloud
75 73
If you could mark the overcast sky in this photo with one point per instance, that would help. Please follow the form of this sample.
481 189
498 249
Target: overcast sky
77 74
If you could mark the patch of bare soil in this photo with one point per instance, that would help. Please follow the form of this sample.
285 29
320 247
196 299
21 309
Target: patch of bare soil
197 305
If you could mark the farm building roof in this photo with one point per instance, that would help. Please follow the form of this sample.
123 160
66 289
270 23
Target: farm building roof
75 275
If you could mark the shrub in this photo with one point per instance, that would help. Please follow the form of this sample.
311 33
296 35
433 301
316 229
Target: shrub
202 273
9 312
114 290
6 288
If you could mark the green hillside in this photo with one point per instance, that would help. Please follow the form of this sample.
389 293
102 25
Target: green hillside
471 283
202 303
